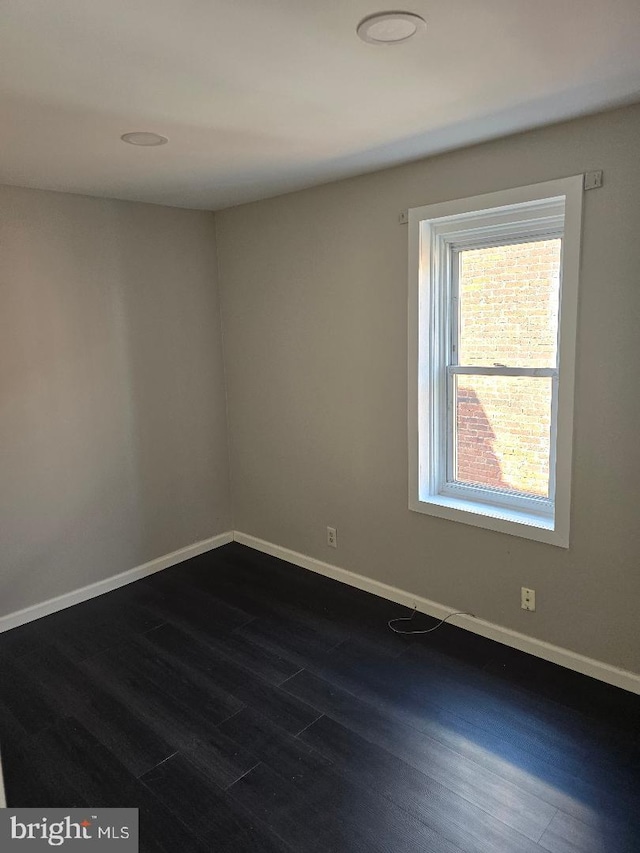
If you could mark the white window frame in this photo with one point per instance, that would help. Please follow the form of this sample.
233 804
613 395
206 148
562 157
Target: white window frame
436 232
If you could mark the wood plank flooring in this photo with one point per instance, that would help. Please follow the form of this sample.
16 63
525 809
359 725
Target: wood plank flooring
244 704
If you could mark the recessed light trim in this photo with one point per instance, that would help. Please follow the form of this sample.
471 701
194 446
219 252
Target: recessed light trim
144 138
390 27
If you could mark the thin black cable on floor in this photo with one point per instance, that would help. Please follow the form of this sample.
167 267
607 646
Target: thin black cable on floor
390 623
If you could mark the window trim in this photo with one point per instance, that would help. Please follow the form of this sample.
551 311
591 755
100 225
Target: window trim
552 215
428 340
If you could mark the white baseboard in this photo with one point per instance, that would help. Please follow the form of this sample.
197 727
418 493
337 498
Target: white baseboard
60 602
556 654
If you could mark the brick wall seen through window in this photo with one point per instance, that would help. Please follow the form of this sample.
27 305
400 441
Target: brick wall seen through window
508 316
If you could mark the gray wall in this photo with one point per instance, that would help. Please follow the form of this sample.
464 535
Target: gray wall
314 303
113 447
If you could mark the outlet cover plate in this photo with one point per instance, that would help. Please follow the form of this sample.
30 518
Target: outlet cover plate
527 598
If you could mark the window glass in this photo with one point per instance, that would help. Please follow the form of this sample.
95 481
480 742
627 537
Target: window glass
508 304
502 432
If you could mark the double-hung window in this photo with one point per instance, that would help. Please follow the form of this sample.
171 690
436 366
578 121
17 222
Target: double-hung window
492 314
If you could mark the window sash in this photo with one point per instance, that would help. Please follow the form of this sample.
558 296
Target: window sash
452 487
453 369
448 485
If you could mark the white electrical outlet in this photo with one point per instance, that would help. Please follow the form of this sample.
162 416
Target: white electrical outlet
527 598
332 537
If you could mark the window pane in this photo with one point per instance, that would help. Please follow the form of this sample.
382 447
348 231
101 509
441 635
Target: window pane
508 298
502 432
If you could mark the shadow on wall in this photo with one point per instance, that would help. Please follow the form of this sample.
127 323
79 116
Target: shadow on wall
476 459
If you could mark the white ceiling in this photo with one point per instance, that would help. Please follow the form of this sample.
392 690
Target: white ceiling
259 97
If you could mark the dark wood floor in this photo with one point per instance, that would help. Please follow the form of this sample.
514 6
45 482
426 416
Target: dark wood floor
243 704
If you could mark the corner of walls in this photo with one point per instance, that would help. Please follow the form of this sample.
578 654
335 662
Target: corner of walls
77 596
224 369
514 639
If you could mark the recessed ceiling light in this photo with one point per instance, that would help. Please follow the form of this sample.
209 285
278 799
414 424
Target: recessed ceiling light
389 27
143 137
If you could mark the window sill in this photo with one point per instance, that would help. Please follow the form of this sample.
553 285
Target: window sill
525 524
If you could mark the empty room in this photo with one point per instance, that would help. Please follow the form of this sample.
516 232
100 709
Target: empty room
319 426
